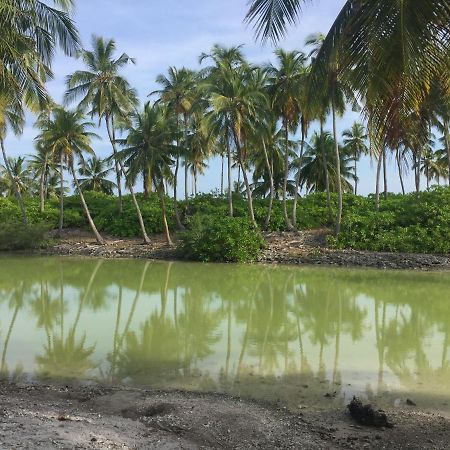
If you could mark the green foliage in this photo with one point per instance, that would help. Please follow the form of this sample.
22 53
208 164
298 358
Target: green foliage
220 239
411 223
14 235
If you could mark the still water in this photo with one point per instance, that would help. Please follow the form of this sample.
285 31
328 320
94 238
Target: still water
297 336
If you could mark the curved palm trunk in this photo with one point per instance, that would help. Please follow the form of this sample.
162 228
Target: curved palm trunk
160 189
297 179
97 235
338 169
286 176
230 187
246 182
399 167
61 195
111 134
16 191
271 195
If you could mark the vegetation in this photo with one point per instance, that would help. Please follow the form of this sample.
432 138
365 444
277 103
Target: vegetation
257 118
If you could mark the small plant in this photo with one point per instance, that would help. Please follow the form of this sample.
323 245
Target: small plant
220 239
17 236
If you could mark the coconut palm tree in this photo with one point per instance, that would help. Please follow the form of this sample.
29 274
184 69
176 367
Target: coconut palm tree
96 172
355 143
179 93
311 172
66 134
41 165
21 176
103 91
149 144
225 60
286 83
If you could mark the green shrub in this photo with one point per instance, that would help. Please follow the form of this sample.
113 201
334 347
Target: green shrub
220 239
17 236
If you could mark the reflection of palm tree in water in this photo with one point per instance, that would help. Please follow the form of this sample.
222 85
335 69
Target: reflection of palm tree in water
17 301
65 357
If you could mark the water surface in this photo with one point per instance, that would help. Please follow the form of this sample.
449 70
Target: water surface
298 336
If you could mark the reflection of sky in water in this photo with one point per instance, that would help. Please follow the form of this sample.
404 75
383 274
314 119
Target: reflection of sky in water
359 332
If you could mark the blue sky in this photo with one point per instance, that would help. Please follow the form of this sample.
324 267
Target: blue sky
167 33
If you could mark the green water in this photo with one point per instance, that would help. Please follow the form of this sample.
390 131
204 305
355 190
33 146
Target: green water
283 334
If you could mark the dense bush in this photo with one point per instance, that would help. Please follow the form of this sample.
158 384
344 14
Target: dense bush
220 238
14 235
412 223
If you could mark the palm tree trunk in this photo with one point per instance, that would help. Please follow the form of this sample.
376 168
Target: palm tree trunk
221 175
377 189
246 182
42 186
160 189
327 177
17 193
97 235
297 179
447 145
111 134
230 187
136 205
180 226
399 167
286 176
417 158
61 195
271 195
385 174
186 169
338 168
356 175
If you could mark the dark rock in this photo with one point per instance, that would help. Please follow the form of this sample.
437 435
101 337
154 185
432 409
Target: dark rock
367 415
410 402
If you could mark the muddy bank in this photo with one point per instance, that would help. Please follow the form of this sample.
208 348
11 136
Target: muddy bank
294 248
52 417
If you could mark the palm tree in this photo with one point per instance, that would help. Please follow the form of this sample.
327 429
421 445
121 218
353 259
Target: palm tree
225 61
41 165
286 85
355 144
149 144
179 93
311 172
29 33
21 176
66 134
105 93
96 172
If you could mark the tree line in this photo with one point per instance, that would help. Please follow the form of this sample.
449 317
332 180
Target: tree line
372 60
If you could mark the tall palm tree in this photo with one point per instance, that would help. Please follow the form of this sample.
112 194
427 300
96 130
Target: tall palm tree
355 143
66 134
286 85
179 93
21 176
95 172
149 144
103 91
41 165
225 60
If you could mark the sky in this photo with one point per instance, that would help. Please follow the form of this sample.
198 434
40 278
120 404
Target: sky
164 33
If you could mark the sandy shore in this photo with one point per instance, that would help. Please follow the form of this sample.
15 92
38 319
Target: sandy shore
295 248
68 417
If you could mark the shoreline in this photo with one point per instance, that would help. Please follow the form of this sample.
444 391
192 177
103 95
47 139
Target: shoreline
99 416
285 248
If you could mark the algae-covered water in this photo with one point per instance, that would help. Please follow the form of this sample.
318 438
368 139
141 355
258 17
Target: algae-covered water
293 335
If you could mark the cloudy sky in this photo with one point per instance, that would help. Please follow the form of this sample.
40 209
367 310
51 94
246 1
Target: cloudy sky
163 33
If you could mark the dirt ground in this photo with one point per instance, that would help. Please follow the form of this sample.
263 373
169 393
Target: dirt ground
294 248
77 417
